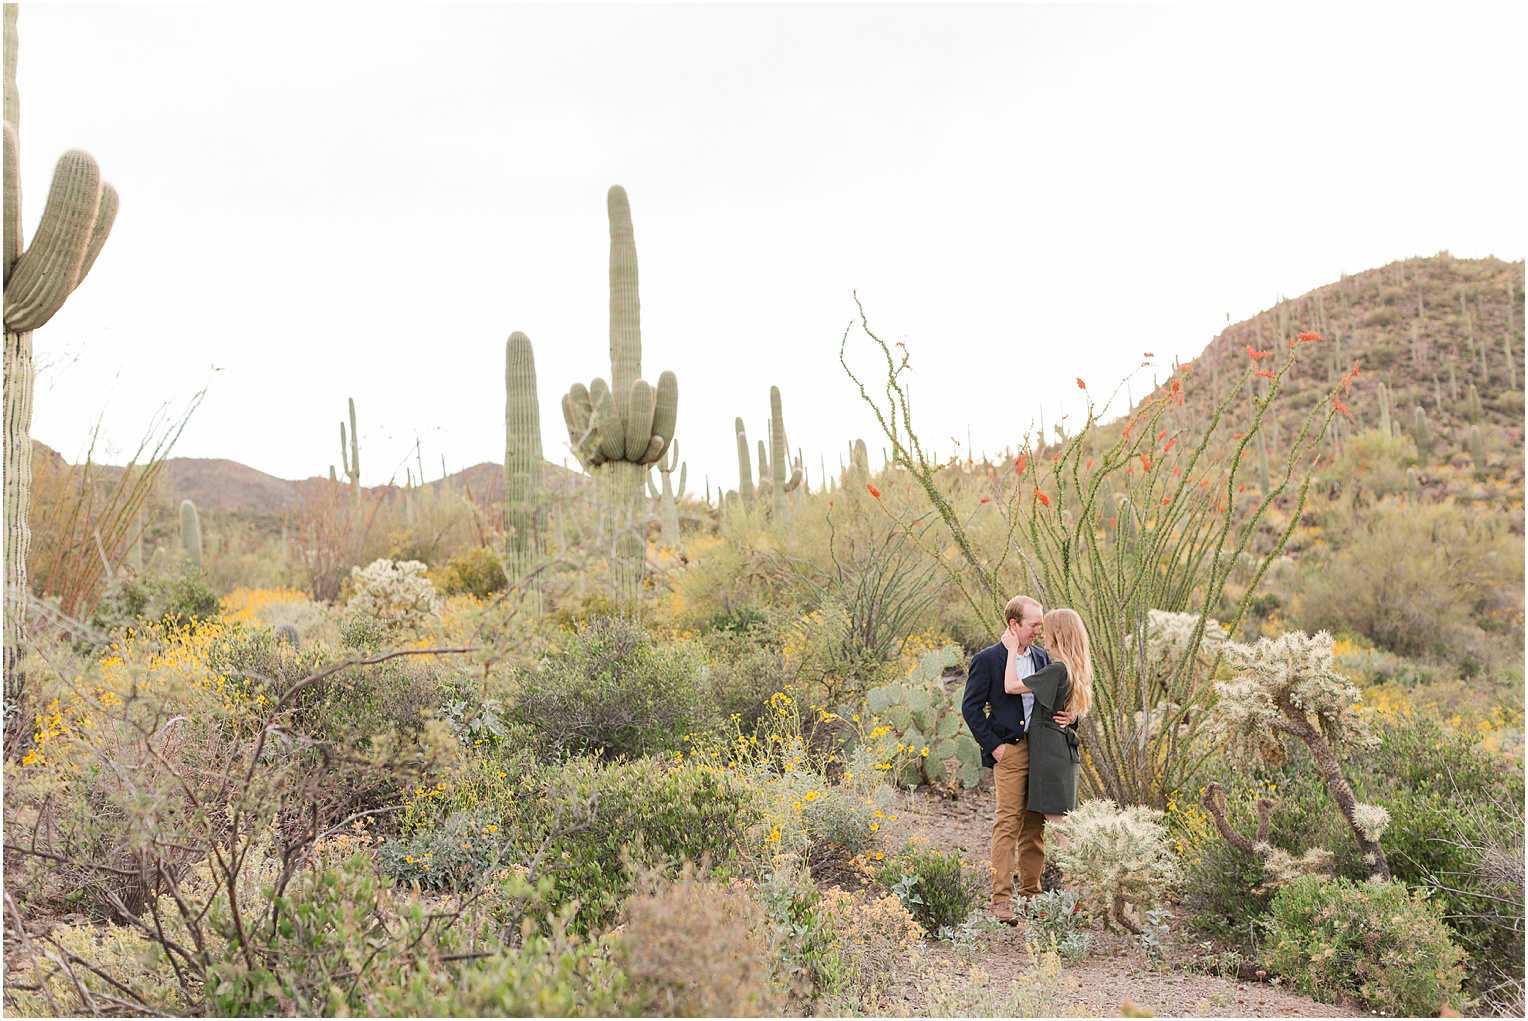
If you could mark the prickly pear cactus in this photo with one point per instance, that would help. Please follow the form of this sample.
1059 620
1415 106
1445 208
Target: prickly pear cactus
924 715
619 428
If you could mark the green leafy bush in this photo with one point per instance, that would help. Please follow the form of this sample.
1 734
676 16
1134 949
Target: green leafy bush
1380 942
1455 814
743 669
612 689
934 885
474 571
580 821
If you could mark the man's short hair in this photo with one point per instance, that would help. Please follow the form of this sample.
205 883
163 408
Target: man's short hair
1016 607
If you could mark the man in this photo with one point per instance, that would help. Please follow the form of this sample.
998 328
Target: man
999 722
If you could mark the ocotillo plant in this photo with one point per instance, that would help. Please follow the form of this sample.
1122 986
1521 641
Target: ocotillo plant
350 459
39 277
190 533
779 454
669 495
1188 536
619 428
522 451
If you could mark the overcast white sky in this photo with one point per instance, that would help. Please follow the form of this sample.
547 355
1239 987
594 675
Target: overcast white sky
325 202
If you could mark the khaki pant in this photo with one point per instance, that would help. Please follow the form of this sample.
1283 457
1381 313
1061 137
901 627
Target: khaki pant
1016 829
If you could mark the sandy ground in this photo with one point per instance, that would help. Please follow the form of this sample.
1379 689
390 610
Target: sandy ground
1118 970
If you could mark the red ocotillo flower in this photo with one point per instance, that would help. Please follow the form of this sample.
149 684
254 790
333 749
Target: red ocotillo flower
1255 354
1342 408
1169 444
1147 354
1020 461
873 491
1160 435
985 499
1264 373
1166 500
1145 463
1307 337
1080 384
1044 500
1089 464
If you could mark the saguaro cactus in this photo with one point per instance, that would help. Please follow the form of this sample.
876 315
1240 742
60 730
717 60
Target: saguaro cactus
350 458
669 495
744 465
190 533
619 428
1423 438
1384 409
522 450
39 277
779 454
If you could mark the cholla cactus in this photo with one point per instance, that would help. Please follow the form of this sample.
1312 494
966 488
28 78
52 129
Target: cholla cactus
1168 637
1119 856
1285 687
395 593
922 714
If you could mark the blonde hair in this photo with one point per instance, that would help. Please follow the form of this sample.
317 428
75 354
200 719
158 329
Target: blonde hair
1067 640
1016 607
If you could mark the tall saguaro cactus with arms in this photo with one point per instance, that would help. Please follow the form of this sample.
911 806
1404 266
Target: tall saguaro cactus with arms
619 428
39 277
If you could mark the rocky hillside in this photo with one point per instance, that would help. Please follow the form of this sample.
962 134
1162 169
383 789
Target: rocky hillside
1444 336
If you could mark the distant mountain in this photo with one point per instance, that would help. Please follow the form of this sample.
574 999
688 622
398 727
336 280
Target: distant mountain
218 484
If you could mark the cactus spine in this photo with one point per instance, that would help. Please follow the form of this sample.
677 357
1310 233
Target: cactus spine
350 459
779 454
190 533
522 451
618 429
76 219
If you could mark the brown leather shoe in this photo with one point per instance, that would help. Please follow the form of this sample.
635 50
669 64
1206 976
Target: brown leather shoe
1003 912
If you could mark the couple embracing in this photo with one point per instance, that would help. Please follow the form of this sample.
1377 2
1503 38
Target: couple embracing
1022 703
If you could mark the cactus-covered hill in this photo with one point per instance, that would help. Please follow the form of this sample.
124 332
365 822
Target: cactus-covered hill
1443 335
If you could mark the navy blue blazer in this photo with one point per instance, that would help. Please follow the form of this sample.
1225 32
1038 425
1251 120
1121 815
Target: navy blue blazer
984 687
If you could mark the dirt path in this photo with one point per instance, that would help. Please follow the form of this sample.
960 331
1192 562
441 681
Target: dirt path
1117 970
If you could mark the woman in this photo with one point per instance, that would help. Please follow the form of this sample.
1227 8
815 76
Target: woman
1067 684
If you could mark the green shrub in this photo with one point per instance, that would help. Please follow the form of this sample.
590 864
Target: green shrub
743 671
475 571
1454 811
611 689
934 885
1380 942
580 820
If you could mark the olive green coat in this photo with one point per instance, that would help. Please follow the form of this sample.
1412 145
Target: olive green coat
1054 756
